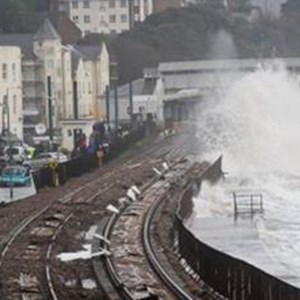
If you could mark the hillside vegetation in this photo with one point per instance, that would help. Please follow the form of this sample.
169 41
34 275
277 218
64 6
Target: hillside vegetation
199 32
21 15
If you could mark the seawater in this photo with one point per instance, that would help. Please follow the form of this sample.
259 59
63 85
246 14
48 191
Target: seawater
254 123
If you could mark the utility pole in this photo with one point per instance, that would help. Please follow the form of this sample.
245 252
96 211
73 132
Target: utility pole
50 113
116 108
6 107
75 100
3 119
131 103
107 96
131 14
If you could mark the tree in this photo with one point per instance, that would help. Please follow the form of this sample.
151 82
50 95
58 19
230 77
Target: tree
290 6
241 5
20 15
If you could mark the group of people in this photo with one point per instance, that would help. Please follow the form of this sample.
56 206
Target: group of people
93 145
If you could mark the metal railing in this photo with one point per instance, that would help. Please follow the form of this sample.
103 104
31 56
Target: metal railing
247 204
51 177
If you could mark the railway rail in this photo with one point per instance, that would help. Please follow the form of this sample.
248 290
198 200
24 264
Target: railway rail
28 263
137 219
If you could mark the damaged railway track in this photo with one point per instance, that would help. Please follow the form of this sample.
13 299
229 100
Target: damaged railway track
29 268
134 268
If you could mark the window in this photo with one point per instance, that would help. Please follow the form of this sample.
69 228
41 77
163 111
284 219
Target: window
123 3
123 18
112 3
4 103
112 18
86 4
14 72
75 18
87 19
4 71
74 4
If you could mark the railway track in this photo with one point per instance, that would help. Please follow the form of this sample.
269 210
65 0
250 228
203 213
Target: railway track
28 265
134 268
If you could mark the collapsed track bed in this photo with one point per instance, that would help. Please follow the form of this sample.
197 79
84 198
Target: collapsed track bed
36 230
136 268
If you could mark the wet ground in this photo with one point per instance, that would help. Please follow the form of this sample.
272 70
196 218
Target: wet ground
239 239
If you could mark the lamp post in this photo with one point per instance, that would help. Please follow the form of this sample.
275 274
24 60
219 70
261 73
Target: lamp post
5 110
50 112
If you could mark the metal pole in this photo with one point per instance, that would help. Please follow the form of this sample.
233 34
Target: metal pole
50 113
11 191
75 100
3 119
131 103
116 109
131 14
107 96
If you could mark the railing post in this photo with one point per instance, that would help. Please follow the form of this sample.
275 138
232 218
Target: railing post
235 206
251 205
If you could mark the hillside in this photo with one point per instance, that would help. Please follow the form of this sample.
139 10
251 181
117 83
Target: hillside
199 32
21 15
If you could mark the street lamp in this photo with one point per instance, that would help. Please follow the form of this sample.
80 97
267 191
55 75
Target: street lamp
5 110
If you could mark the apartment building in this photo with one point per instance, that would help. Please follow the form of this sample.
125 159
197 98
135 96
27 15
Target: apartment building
141 9
11 111
100 16
110 16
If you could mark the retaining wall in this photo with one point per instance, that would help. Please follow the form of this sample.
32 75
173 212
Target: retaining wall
228 276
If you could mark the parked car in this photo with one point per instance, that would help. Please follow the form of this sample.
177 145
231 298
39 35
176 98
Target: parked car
15 175
17 153
44 159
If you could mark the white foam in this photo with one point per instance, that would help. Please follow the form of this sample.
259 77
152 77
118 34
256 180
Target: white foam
255 125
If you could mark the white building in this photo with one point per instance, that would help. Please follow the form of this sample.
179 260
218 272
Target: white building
96 64
142 9
56 58
105 16
90 75
147 96
100 16
11 90
77 86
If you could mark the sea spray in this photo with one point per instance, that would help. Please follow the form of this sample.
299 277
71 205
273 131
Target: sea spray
254 122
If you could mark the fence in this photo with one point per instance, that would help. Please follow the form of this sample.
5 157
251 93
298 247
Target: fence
48 177
230 277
